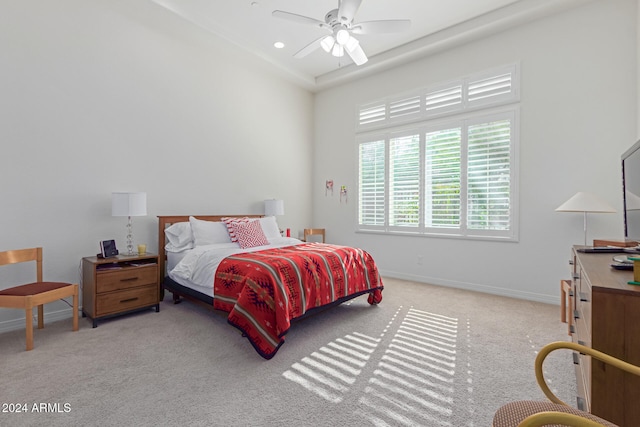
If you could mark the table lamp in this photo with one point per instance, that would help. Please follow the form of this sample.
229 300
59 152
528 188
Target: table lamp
273 207
129 204
585 202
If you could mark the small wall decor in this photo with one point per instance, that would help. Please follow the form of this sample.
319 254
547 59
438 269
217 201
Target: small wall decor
343 193
328 188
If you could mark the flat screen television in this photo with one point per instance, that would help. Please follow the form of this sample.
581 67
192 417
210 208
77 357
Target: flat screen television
631 192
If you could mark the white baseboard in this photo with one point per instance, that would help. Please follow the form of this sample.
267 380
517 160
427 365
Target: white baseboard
19 323
529 296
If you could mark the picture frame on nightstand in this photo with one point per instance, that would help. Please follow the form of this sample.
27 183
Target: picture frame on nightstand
108 249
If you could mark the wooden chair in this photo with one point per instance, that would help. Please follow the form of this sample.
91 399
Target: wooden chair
36 293
531 413
313 231
566 311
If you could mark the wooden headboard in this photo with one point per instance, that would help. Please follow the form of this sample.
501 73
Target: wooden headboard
166 221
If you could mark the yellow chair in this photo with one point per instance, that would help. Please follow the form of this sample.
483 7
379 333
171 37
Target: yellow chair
313 231
529 413
37 293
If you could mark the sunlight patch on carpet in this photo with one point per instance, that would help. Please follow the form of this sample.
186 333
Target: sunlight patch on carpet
414 382
329 371
414 373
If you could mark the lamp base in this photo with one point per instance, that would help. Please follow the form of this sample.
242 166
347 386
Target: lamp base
129 238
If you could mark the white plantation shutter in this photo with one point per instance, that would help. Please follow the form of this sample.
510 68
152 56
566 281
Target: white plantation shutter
405 108
491 89
371 188
489 175
372 114
443 100
404 181
442 178
442 160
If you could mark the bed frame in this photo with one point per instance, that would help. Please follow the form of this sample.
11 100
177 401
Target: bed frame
178 291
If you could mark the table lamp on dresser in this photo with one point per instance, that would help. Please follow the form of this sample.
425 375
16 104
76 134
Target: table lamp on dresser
585 202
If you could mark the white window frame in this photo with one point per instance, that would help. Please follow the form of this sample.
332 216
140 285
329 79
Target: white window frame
503 106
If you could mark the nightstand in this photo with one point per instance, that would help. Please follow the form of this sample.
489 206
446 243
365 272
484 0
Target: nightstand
118 285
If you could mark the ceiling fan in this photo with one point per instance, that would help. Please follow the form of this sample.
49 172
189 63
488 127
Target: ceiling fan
339 23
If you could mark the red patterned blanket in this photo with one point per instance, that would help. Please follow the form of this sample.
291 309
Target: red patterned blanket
264 291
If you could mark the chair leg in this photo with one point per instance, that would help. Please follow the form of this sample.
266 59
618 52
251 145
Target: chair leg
75 309
41 316
29 319
563 303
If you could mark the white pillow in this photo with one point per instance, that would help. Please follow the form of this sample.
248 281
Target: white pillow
179 237
270 227
208 232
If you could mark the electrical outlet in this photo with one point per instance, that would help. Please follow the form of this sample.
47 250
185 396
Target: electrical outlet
419 259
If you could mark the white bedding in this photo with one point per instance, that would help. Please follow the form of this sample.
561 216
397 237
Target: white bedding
197 267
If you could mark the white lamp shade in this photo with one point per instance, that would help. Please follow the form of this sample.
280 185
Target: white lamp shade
327 43
585 202
273 207
342 36
129 204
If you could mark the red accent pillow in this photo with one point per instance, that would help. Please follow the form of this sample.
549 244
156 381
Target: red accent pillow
231 222
250 234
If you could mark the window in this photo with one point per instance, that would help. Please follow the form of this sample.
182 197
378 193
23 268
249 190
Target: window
404 181
371 189
451 175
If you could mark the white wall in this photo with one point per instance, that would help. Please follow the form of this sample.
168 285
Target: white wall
578 114
121 95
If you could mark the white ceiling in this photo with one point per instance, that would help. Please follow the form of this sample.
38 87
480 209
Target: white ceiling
434 25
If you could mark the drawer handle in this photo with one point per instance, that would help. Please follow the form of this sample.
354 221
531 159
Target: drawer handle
576 314
584 297
128 300
129 279
576 359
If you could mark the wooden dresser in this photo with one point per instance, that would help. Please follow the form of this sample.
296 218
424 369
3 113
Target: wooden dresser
606 313
117 285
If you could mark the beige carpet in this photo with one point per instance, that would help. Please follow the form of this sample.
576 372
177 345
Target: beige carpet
427 355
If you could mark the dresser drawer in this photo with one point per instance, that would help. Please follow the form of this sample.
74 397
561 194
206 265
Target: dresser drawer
129 299
126 278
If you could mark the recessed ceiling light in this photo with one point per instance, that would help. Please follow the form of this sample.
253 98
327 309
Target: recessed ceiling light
278 45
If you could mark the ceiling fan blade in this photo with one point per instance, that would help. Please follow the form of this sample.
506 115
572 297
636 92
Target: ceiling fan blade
299 19
379 27
309 48
347 10
356 53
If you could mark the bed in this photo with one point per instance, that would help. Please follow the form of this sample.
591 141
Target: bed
241 265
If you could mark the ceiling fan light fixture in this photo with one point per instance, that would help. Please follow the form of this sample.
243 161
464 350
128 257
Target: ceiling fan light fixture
340 25
352 44
337 50
343 37
327 43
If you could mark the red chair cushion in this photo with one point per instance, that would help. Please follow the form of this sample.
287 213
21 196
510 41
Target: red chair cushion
33 288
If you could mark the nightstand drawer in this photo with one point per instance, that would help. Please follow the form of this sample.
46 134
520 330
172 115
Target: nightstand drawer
130 299
126 278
